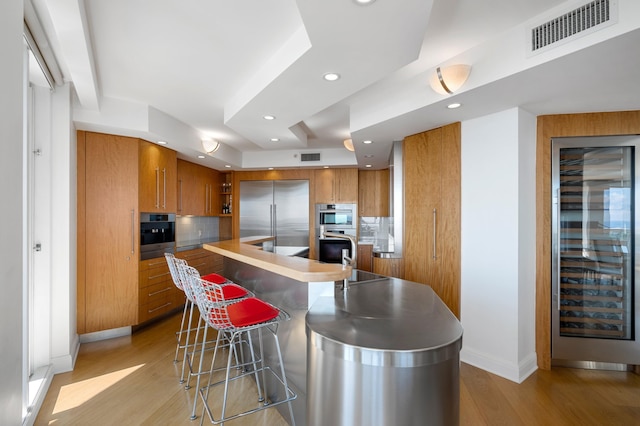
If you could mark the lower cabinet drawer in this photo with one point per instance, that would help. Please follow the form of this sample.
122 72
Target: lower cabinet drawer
155 292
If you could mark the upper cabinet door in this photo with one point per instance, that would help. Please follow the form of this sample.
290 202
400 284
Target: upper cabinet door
336 185
157 178
373 193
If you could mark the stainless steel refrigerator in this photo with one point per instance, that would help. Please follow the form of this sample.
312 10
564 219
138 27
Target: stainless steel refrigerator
279 208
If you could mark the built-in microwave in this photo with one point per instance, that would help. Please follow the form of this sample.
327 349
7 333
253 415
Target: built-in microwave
157 234
336 216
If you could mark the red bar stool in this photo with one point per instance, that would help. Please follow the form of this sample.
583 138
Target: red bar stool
231 291
235 318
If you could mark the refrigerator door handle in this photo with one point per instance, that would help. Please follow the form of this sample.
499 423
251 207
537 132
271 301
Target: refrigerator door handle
275 223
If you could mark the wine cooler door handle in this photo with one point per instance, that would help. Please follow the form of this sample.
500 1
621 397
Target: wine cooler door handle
435 236
558 248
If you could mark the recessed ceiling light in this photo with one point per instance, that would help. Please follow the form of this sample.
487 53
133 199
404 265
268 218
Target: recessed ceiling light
331 76
368 165
269 117
367 142
274 139
228 166
326 167
363 2
162 143
270 168
454 105
200 156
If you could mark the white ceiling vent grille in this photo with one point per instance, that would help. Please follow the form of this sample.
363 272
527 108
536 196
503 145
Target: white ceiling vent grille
583 20
310 157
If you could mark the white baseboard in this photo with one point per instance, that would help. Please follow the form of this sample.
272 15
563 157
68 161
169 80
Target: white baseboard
105 334
510 371
65 363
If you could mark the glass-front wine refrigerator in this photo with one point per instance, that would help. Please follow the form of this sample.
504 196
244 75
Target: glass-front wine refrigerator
595 318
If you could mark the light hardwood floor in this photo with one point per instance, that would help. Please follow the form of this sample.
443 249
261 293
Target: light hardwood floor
133 381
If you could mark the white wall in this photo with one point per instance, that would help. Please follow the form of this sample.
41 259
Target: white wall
12 388
498 243
62 223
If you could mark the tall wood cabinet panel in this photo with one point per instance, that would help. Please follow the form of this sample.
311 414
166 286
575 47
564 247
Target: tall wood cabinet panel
158 176
108 231
373 193
336 185
432 211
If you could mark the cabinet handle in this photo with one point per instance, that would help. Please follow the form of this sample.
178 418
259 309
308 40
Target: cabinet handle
159 307
435 237
157 187
210 198
158 276
164 189
133 230
159 291
180 197
207 199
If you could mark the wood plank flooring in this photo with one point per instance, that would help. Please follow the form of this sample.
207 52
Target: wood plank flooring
133 380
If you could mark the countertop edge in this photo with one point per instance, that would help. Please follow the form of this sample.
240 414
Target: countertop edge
297 268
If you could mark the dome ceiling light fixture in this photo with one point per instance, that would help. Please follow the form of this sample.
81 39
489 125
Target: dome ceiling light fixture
348 143
210 145
449 79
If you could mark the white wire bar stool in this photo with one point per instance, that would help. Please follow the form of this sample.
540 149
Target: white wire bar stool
231 291
235 319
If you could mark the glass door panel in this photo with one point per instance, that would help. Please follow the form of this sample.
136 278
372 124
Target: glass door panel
594 250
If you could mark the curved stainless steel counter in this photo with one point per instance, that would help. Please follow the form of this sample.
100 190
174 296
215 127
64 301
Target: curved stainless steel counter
386 352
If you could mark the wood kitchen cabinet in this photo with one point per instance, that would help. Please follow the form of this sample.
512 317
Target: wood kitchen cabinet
336 185
157 293
432 211
393 267
197 190
205 261
373 193
157 177
108 231
364 259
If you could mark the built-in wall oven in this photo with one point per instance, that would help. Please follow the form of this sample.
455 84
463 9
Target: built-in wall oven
157 234
336 219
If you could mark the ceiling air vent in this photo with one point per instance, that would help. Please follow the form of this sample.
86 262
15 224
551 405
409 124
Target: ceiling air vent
588 18
310 157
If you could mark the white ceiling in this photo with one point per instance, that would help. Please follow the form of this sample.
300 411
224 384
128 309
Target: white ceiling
217 67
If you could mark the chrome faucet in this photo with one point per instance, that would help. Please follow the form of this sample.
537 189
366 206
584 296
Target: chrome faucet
346 260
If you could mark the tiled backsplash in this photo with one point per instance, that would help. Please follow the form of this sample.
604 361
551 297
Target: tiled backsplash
377 231
194 229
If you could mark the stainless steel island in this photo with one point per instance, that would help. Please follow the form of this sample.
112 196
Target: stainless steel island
301 286
383 352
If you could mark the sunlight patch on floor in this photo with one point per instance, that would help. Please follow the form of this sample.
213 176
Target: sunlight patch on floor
76 394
